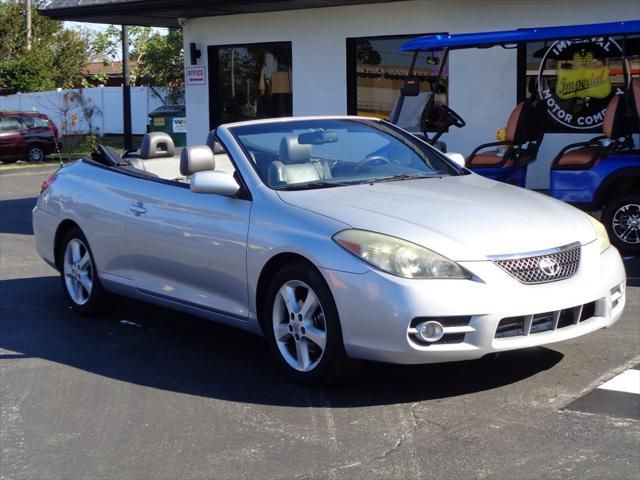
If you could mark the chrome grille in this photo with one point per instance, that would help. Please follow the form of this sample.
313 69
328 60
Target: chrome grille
542 267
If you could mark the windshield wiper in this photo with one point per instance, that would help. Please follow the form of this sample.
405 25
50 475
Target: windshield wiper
311 185
400 176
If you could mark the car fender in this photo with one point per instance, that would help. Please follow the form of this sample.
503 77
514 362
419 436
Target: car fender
305 234
610 179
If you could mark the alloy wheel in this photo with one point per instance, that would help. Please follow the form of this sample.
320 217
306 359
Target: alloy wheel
299 325
78 271
626 223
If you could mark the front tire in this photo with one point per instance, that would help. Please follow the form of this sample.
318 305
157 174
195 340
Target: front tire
80 282
303 327
621 218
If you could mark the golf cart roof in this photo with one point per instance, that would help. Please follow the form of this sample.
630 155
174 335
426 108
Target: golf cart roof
509 37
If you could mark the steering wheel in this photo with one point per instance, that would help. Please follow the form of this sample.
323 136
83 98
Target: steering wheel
372 159
451 117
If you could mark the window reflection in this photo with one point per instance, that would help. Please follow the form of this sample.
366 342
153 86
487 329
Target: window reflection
252 82
378 72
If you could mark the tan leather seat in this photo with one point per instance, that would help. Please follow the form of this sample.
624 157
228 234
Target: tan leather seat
591 153
490 159
579 157
516 129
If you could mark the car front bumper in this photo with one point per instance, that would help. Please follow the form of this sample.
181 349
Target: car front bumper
376 309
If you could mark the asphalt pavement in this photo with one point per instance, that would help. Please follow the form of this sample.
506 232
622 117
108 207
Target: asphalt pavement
147 393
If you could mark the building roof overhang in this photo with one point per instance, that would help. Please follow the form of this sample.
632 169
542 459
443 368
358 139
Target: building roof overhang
165 13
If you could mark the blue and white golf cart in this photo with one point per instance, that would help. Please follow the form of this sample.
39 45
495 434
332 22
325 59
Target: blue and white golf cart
602 173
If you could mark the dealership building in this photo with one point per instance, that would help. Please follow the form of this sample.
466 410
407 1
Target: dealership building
250 59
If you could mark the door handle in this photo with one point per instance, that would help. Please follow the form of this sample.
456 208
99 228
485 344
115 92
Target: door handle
137 208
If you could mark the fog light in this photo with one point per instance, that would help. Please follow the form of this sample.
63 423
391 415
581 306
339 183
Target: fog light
430 331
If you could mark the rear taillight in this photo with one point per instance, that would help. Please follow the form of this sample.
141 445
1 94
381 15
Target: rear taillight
48 182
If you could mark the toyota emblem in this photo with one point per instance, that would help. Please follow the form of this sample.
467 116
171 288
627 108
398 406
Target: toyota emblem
549 266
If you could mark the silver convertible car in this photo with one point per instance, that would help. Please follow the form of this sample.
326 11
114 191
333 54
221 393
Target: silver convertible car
337 238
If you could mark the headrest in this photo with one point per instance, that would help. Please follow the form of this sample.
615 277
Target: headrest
196 158
213 144
157 145
613 123
293 152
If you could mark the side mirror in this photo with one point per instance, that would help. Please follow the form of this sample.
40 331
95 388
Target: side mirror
456 158
216 182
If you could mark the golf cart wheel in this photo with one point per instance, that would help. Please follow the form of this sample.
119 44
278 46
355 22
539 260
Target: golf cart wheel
80 283
35 154
303 328
621 217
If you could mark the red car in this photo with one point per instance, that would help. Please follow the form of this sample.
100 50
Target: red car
27 136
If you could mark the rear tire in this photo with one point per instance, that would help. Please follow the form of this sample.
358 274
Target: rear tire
80 283
621 218
303 327
35 154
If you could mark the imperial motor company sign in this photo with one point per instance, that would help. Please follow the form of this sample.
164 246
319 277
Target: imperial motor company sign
578 95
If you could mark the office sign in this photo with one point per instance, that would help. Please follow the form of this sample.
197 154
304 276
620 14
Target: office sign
196 75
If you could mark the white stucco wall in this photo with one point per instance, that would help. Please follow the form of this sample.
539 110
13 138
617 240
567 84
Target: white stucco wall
482 82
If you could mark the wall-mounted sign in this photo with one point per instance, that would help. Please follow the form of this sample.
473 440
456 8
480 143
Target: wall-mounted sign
578 94
196 75
179 125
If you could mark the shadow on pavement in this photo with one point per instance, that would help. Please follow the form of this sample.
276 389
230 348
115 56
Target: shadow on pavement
16 215
175 352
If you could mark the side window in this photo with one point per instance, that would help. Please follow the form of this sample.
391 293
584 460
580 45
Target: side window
39 122
223 162
27 121
9 124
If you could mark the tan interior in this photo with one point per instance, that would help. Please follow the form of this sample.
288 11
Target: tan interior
168 167
584 155
579 157
512 123
488 159
491 158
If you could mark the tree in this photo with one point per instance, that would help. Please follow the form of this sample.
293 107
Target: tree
57 57
164 64
107 45
157 59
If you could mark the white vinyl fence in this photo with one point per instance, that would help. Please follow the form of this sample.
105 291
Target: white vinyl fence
108 116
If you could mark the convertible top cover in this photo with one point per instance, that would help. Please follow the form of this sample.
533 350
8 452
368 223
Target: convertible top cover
506 37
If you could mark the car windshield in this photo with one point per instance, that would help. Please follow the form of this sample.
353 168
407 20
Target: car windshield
320 153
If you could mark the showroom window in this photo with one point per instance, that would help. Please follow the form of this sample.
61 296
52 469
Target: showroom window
249 82
575 79
376 70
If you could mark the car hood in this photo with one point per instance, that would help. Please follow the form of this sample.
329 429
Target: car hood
463 217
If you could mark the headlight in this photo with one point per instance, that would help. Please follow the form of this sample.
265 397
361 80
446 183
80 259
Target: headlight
601 233
397 257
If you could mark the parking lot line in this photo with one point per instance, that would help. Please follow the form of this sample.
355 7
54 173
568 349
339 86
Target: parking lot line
628 381
618 397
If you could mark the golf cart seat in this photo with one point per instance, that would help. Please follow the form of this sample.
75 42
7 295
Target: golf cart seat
523 138
585 155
